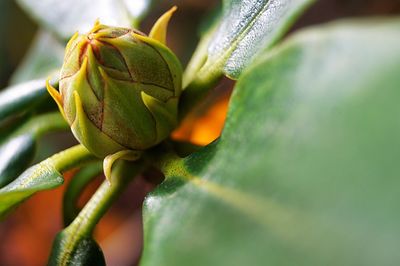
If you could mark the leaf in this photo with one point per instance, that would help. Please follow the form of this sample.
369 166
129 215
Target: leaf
16 154
75 188
306 171
20 98
65 18
39 177
43 58
75 245
42 176
246 28
10 126
18 150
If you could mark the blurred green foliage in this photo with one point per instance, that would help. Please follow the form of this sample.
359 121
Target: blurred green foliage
16 31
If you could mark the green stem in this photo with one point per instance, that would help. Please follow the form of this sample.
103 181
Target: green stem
75 188
42 176
60 162
70 158
166 160
90 215
84 224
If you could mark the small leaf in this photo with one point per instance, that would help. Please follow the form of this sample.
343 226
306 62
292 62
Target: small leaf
16 155
244 30
306 171
18 150
65 18
21 98
39 177
10 126
42 176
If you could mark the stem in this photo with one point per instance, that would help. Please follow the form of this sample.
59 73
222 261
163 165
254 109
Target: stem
90 215
60 162
85 222
75 187
165 159
70 158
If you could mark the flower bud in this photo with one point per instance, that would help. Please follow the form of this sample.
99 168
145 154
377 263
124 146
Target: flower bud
119 89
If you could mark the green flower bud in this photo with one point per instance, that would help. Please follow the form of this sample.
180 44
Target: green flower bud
119 89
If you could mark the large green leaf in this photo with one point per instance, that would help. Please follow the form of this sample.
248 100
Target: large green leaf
307 169
244 30
66 17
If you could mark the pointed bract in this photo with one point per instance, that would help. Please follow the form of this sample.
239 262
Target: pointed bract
159 30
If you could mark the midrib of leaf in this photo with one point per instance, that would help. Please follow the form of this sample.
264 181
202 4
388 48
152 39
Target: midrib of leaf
46 167
218 65
34 173
288 224
252 206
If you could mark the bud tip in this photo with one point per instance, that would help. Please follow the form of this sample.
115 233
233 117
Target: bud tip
159 30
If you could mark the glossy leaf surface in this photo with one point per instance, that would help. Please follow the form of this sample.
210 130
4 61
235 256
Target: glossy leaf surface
244 30
16 154
36 178
18 150
20 98
307 169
